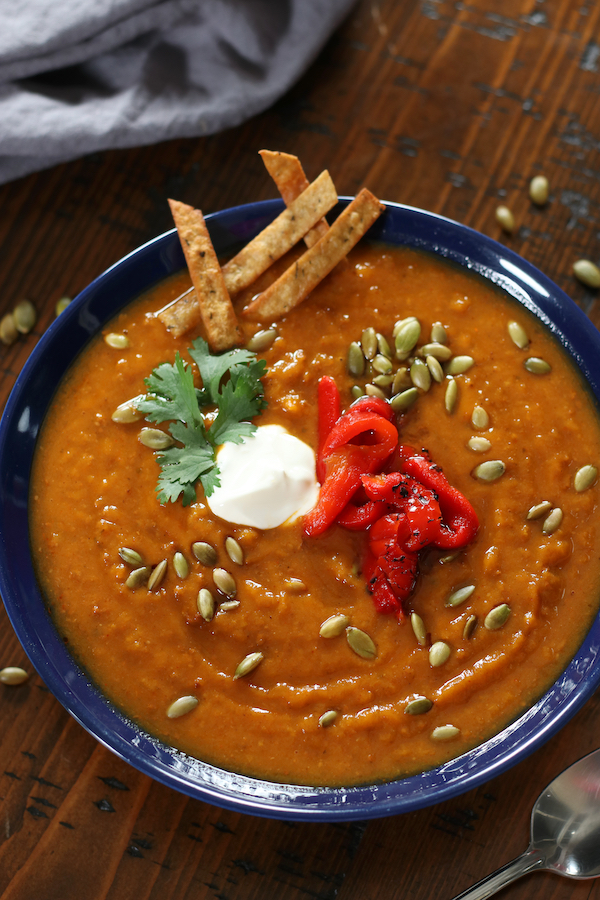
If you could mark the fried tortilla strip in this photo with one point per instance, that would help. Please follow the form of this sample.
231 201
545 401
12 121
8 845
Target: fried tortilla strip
214 303
302 277
287 173
182 314
281 235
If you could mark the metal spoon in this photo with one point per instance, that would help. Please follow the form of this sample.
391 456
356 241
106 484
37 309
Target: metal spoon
565 831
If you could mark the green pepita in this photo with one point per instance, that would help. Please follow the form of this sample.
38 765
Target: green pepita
435 369
25 316
459 365
479 444
480 418
206 604
248 664
334 625
537 366
224 582
539 510
8 330
418 706
518 335
490 470
61 305
368 342
438 333
262 340
585 477
116 341
497 617
357 392
131 557
459 596
505 218
383 346
439 653
403 401
355 360
180 564
13 675
328 718
157 575
361 643
182 706
451 395
440 351
587 272
234 551
418 626
445 732
470 626
371 390
204 553
138 577
155 439
539 190
553 521
127 412
228 605
382 364
401 380
420 375
406 338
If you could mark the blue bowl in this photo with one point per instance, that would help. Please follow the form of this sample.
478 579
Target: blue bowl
25 411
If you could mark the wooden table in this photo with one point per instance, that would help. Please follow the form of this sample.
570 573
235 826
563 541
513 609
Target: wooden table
448 106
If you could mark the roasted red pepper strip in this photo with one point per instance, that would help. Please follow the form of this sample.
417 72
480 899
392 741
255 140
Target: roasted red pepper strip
329 404
359 517
460 522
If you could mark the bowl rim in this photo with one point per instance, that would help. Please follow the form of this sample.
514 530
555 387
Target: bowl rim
73 687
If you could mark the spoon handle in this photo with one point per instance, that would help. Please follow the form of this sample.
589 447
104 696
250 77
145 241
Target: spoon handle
527 862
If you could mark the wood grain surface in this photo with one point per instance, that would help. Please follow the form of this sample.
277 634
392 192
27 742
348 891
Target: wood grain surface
449 106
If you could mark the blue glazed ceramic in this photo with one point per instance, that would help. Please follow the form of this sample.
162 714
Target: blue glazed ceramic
20 425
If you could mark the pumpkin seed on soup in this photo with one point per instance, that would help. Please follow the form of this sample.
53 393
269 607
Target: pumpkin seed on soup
445 732
334 625
355 360
234 551
129 556
328 718
518 335
458 365
553 521
205 604
540 509
116 341
497 617
182 706
224 582
362 644
438 333
451 395
490 470
262 340
180 564
138 577
585 477
459 596
418 626
204 553
157 575
470 626
439 653
418 706
403 401
537 366
248 664
368 342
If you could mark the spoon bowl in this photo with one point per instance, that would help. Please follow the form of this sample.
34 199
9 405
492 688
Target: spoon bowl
565 831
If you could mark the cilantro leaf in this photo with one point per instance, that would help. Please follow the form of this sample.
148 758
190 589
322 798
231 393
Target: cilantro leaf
213 368
238 403
181 467
172 394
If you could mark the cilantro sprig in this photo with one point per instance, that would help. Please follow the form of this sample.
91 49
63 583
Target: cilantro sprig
231 383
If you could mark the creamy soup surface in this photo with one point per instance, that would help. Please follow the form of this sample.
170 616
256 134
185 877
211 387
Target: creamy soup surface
93 493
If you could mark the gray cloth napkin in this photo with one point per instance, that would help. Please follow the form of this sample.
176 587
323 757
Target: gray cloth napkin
77 76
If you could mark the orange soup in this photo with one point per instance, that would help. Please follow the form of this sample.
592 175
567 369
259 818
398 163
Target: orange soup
314 711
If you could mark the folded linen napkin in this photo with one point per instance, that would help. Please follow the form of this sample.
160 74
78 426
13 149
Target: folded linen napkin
79 77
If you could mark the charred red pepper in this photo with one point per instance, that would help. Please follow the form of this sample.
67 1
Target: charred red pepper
460 522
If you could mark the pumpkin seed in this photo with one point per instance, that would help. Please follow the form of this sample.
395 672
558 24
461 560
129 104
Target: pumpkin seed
459 596
435 369
418 626
539 509
368 341
585 478
537 366
438 333
406 338
157 575
361 643
224 582
539 190
459 365
13 675
383 381
382 364
328 718
206 604
334 625
234 551
438 653
401 323
470 626
180 564
355 361
479 417
204 553
127 412
445 732
479 444
131 557
383 346
403 401
449 557
505 219
138 577
357 392
8 330
25 316
155 439
61 305
116 341
248 664
553 521
518 335
401 380
420 375
439 351
490 470
182 706
228 605
371 390
418 706
295 585
587 273
497 617
451 395
262 340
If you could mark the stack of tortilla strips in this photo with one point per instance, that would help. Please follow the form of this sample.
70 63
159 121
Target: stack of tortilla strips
209 301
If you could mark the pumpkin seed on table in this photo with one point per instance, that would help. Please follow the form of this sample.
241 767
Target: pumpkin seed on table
13 675
180 564
248 664
540 509
490 470
116 341
403 401
8 330
518 335
418 706
470 626
204 553
328 718
497 617
439 653
445 732
355 361
224 582
479 444
458 365
205 604
420 375
539 189
438 333
553 521
451 395
369 343
505 218
61 305
361 643
585 477
25 316
537 366
234 550
459 596
155 439
157 575
182 706
418 626
138 577
262 340
587 272
334 625
127 412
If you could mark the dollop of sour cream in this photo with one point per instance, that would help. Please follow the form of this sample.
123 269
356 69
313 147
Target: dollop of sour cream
267 480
